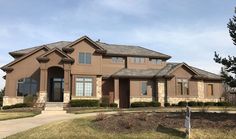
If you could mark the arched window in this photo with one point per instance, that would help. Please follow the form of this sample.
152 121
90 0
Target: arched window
27 86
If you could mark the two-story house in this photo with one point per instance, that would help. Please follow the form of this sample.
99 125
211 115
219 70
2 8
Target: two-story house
86 69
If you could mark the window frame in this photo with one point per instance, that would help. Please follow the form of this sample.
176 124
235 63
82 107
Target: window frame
85 58
30 84
156 61
117 60
144 84
183 82
212 90
83 81
137 60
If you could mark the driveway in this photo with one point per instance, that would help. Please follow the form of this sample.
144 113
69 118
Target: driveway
10 127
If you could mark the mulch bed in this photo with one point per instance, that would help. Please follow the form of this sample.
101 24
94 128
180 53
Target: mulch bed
135 122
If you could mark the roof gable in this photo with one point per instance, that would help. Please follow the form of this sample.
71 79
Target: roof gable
181 65
24 57
98 48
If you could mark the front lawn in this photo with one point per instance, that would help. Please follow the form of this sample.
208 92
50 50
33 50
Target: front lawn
137 125
16 115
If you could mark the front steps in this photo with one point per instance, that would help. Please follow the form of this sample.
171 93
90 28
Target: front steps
53 108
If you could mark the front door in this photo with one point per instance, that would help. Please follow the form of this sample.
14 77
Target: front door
57 87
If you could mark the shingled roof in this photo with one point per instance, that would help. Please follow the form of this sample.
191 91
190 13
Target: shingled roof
111 49
131 50
164 72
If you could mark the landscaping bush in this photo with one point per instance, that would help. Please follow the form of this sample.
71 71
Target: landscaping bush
146 104
223 104
209 104
200 103
19 105
192 103
30 100
174 105
139 104
167 104
84 103
113 105
182 104
104 104
154 104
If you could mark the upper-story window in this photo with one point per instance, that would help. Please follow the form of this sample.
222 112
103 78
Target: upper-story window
85 58
155 61
182 87
137 60
117 59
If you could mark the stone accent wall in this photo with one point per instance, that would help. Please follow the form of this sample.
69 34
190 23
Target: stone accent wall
200 89
161 92
142 99
12 100
66 98
99 87
73 98
42 98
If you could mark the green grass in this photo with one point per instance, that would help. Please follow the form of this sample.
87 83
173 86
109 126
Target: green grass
15 115
82 128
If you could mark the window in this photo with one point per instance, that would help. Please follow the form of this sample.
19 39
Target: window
210 90
182 87
137 60
84 86
155 61
144 88
117 60
85 58
27 86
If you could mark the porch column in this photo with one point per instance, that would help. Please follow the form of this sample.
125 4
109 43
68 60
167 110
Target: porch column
160 91
42 96
66 83
116 91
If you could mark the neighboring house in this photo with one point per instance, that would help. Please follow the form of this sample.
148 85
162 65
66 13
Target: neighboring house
85 69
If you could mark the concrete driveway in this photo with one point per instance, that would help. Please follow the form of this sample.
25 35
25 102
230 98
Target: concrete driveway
10 127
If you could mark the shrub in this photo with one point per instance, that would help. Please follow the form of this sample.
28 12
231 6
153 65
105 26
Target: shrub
105 99
30 100
209 104
182 103
223 104
200 103
18 105
167 104
113 105
174 105
192 103
139 104
100 117
104 104
154 104
84 103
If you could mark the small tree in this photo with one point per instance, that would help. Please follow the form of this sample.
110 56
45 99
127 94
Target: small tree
228 71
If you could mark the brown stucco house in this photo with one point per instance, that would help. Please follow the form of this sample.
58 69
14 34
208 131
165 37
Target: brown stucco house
87 69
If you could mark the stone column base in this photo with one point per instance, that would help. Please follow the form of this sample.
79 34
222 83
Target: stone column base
66 98
7 100
42 98
117 101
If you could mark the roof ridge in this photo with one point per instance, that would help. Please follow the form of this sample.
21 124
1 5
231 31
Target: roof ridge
117 44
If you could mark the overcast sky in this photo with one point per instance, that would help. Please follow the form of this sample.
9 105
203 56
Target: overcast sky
188 30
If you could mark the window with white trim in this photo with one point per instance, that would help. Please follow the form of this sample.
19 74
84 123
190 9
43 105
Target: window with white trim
84 58
84 86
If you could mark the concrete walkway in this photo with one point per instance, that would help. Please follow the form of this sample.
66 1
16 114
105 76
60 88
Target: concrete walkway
10 127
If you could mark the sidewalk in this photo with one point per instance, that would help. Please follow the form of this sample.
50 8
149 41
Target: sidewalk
10 127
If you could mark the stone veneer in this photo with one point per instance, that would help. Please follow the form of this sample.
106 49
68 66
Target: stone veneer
200 86
142 99
99 87
161 92
42 98
12 100
66 97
